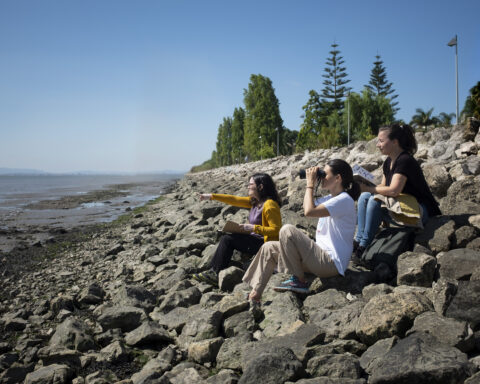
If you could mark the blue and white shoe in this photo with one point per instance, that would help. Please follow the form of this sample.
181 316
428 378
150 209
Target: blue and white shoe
294 285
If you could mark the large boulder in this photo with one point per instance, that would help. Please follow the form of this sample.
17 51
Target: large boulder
389 315
449 331
466 303
72 334
458 264
417 269
275 366
421 358
54 374
124 317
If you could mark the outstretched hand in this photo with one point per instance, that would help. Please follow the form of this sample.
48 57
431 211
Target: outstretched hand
247 227
205 196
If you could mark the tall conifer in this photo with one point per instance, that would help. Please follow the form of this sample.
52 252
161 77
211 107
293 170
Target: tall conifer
379 84
335 82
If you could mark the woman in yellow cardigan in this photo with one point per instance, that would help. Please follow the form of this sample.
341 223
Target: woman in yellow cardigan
264 223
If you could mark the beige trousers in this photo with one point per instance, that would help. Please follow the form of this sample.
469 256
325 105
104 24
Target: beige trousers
295 253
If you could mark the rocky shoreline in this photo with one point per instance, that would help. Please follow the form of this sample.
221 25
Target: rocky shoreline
117 302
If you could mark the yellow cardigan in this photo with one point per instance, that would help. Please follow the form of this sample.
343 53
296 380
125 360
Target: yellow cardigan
271 217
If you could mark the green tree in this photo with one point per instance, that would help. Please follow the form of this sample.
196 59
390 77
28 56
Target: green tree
423 118
313 119
335 88
368 112
472 103
238 153
289 141
445 119
224 143
379 84
262 118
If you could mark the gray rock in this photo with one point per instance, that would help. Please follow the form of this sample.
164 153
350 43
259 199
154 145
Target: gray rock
464 235
229 305
345 365
329 380
437 178
61 302
14 324
466 303
243 322
101 377
184 298
463 198
115 353
376 353
153 370
390 315
415 269
173 320
148 334
230 354
58 355
201 324
329 299
54 374
451 332
7 359
115 250
186 373
299 341
93 294
273 367
373 290
124 317
338 346
72 334
205 351
443 291
15 374
135 296
420 358
280 314
207 256
340 323
228 278
475 379
474 244
458 264
225 376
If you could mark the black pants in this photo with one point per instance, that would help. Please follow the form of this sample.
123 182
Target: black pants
228 243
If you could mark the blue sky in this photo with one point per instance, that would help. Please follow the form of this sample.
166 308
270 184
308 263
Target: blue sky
114 85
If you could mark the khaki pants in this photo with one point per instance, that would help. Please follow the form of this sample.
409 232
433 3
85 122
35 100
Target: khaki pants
295 253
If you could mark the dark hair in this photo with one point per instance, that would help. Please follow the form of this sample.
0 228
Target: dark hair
342 168
404 134
268 189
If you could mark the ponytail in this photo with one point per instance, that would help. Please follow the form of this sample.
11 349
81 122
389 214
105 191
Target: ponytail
342 168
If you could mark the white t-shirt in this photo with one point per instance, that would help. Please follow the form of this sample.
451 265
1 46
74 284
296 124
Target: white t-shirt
335 232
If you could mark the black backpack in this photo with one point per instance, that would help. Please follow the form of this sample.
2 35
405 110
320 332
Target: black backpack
387 245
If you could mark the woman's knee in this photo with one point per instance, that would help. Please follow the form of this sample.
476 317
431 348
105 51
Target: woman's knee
364 197
286 231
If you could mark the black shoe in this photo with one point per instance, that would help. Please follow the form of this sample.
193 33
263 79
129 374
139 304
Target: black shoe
357 257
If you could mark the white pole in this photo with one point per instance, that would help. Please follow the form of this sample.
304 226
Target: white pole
278 140
456 72
348 117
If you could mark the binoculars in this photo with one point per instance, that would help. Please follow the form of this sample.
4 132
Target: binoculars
320 174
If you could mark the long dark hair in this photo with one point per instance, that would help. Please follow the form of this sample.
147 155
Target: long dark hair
266 187
404 134
342 168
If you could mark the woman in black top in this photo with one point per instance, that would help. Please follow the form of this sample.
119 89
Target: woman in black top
401 174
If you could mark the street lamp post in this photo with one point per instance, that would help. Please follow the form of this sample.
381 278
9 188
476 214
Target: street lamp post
348 118
451 43
278 140
261 147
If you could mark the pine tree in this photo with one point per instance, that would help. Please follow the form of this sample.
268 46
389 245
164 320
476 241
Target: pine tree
262 119
335 82
379 84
